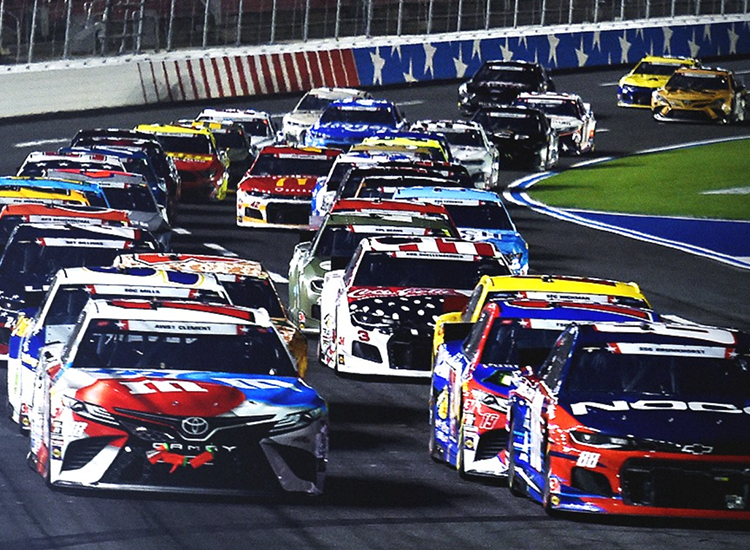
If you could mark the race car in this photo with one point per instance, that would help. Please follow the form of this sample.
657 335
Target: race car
333 245
471 377
136 399
36 195
306 113
435 145
455 325
158 160
701 95
247 283
203 168
636 418
258 125
231 139
470 146
347 122
277 190
480 216
499 82
377 316
523 137
58 312
36 187
649 74
571 118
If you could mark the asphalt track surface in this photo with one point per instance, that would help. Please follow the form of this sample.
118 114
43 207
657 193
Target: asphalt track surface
382 492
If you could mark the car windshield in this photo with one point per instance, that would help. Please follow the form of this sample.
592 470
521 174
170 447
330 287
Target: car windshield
341 242
140 166
350 115
508 343
131 197
499 123
290 165
485 215
192 144
312 102
471 138
69 300
601 370
257 128
386 269
552 107
511 75
256 293
697 83
230 140
253 350
660 69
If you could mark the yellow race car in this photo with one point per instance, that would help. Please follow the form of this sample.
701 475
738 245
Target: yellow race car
701 95
649 74
540 288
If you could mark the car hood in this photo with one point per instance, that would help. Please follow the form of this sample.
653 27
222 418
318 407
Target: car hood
299 186
303 118
186 161
718 424
644 81
188 393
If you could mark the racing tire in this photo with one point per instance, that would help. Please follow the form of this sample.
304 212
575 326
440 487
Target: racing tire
516 485
460 462
432 442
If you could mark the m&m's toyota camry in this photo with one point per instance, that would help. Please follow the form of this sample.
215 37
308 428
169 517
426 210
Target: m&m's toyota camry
176 396
636 418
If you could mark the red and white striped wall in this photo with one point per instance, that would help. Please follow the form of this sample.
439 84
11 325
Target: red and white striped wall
245 75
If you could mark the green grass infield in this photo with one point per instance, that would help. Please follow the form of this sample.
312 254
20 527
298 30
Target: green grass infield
707 181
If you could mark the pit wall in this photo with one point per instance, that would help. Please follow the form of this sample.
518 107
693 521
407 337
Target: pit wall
81 85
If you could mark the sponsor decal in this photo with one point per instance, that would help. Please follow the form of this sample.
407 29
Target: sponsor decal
142 387
364 293
588 459
583 407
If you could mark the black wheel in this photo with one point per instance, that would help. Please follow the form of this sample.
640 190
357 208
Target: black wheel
460 461
432 443
516 485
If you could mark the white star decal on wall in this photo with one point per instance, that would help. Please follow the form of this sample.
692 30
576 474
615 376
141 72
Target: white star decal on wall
553 43
377 64
460 65
409 75
397 50
624 47
522 40
733 39
597 44
506 51
429 55
668 40
707 32
694 47
476 49
581 55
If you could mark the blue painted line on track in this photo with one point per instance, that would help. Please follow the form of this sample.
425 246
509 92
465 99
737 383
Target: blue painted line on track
721 240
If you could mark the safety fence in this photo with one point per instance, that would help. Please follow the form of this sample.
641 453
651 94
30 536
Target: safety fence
44 30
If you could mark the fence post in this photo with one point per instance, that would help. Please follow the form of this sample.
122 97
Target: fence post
205 23
570 12
459 14
32 32
337 24
368 22
141 15
273 23
488 13
515 15
544 11
66 43
429 16
400 17
306 22
170 27
240 9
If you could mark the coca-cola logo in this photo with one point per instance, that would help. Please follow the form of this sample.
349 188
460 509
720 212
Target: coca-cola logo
363 293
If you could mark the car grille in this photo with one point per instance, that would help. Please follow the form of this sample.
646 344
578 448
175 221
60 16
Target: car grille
409 352
686 484
491 444
286 213
82 451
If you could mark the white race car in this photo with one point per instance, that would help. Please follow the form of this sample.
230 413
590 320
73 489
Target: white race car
570 117
378 315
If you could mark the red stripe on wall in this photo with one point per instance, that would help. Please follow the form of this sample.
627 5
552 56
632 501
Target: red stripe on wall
155 83
352 76
241 72
266 70
230 76
325 62
315 69
179 80
303 67
206 85
217 76
191 74
254 74
294 85
278 70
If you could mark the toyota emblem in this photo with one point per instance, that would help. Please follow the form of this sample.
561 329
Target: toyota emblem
194 426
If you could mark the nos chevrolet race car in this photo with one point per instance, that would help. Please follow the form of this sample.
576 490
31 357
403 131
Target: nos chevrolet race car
636 418
471 378
138 399
377 316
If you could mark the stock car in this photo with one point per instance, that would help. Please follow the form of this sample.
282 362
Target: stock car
571 118
454 325
35 188
347 122
258 125
306 113
333 245
35 252
246 281
469 145
701 95
649 74
377 316
136 399
638 418
203 168
277 190
127 192
522 136
407 140
231 139
480 216
161 163
498 83
21 194
471 378
58 312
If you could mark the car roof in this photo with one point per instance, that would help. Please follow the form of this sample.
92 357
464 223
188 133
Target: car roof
327 92
687 334
668 60
196 263
380 205
562 284
52 211
136 276
429 245
172 129
99 177
362 103
560 313
311 152
443 125
447 194
71 231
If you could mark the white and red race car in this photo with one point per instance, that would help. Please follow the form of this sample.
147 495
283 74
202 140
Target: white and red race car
378 315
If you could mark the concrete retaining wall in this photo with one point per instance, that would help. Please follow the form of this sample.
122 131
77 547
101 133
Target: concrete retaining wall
245 72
